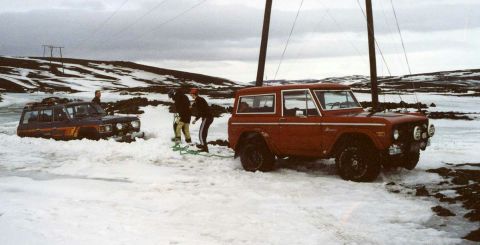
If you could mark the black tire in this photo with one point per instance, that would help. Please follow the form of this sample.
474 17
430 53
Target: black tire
87 133
410 160
255 156
358 162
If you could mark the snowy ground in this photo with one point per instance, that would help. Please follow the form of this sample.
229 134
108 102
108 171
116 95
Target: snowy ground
89 192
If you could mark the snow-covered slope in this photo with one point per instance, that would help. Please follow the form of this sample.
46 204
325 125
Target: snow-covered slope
39 74
462 81
104 192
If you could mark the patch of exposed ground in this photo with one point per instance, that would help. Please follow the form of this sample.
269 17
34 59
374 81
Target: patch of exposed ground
457 195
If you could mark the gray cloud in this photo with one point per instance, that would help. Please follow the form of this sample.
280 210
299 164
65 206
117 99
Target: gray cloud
225 30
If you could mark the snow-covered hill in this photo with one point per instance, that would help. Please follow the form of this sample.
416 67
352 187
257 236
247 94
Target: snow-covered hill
40 74
458 82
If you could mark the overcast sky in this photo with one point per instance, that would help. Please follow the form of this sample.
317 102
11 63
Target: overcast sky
222 37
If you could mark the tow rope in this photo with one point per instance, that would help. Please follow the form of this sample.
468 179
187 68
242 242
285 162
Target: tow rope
184 150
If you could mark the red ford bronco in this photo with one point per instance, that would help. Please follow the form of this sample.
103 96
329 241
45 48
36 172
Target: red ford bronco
323 121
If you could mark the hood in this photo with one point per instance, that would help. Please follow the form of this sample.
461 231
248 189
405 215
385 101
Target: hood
117 119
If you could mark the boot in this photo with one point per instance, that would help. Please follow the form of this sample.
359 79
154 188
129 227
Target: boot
203 148
177 140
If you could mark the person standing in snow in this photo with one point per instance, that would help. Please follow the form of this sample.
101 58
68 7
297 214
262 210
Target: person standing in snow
204 112
182 107
96 99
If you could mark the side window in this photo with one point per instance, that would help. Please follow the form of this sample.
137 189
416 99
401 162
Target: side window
59 114
298 103
46 115
71 111
261 104
30 117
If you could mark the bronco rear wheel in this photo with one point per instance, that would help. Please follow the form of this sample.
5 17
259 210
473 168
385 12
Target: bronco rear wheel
256 156
358 162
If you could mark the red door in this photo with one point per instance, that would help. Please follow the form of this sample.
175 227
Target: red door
299 124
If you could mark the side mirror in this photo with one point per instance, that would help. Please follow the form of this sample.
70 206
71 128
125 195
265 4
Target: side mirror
299 113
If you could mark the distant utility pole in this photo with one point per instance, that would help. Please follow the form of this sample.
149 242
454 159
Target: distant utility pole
263 46
52 47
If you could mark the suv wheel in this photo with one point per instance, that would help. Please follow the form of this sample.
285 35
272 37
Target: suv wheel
256 156
358 163
86 133
410 160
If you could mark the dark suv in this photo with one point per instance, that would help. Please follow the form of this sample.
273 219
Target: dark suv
65 120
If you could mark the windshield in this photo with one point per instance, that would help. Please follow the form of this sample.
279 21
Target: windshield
87 109
337 100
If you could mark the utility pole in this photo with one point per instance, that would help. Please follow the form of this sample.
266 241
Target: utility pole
51 47
373 60
264 44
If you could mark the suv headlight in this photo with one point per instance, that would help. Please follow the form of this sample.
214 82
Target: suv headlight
396 134
431 130
136 124
417 133
119 126
106 128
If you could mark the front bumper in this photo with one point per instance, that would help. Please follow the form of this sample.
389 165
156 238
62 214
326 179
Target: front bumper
397 149
128 137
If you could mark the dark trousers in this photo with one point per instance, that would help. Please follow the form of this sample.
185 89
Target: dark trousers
203 132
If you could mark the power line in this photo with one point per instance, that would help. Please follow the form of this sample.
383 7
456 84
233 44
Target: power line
390 30
376 43
401 37
341 30
170 20
404 50
288 40
121 31
101 25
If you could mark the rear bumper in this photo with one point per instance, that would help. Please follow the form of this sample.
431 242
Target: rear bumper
129 137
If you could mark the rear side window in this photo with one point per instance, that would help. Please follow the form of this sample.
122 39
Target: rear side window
46 115
256 104
30 117
298 103
59 114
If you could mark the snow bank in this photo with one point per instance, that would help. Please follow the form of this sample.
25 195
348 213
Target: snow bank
104 192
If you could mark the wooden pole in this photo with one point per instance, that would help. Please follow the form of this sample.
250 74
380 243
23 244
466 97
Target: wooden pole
264 44
51 54
373 60
61 57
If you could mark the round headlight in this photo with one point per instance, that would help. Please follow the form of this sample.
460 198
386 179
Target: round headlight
136 124
119 126
108 128
431 130
417 133
396 134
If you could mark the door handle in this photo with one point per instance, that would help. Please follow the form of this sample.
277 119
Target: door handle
282 119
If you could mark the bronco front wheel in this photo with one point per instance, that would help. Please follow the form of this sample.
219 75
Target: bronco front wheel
410 160
358 163
256 156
